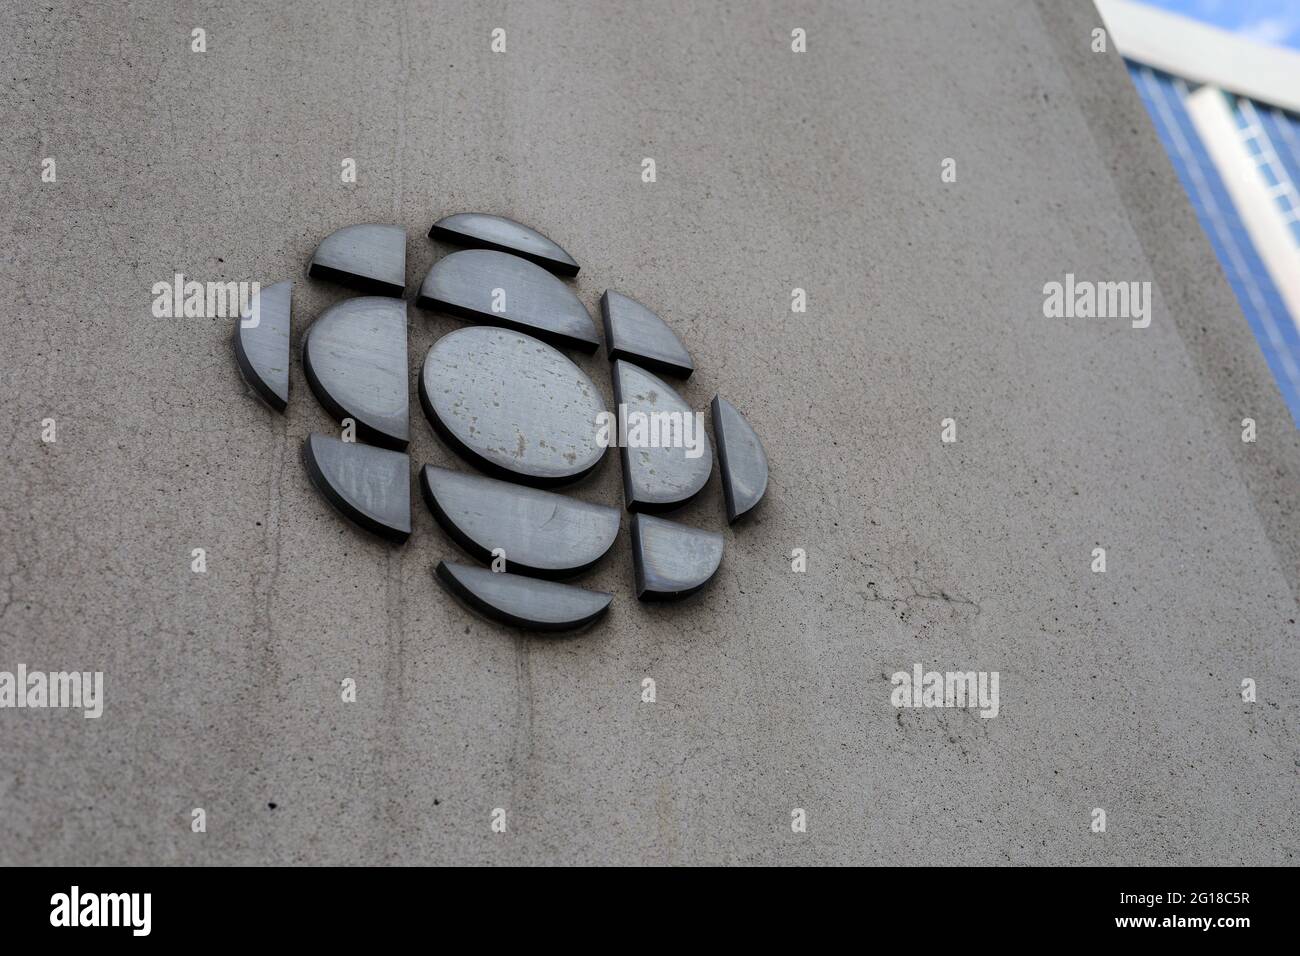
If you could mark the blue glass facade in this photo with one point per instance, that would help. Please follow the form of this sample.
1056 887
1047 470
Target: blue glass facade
1268 133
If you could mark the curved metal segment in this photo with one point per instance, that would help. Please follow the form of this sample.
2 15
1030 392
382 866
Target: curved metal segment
370 486
666 454
672 560
524 602
262 344
479 230
495 288
368 257
741 457
634 333
354 357
540 532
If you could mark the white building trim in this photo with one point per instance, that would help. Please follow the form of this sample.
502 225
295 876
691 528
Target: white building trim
1202 53
1269 232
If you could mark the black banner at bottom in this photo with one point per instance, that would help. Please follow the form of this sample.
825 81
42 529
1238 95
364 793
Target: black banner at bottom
1176 905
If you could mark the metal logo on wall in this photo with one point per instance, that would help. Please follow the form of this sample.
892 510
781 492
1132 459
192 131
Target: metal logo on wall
502 395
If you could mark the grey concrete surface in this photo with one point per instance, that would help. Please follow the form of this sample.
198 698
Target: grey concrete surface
775 170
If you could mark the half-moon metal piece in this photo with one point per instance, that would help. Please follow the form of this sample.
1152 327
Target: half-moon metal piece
634 333
496 288
512 406
541 533
672 560
741 457
354 357
370 486
479 230
524 602
666 454
262 344
369 257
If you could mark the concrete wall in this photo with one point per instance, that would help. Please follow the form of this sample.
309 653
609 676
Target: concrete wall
818 170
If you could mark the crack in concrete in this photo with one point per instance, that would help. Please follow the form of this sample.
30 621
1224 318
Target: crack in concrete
919 589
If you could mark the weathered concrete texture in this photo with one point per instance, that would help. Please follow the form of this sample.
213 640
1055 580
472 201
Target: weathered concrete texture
775 170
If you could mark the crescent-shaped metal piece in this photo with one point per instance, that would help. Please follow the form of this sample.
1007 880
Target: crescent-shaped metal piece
741 457
354 357
659 474
522 601
368 257
370 486
672 560
480 230
635 333
541 533
495 288
262 344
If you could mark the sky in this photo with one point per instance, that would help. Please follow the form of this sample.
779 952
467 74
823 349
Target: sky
1267 21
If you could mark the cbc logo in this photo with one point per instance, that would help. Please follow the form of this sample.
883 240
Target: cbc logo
502 394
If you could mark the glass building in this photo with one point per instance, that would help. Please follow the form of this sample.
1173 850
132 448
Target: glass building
1228 112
